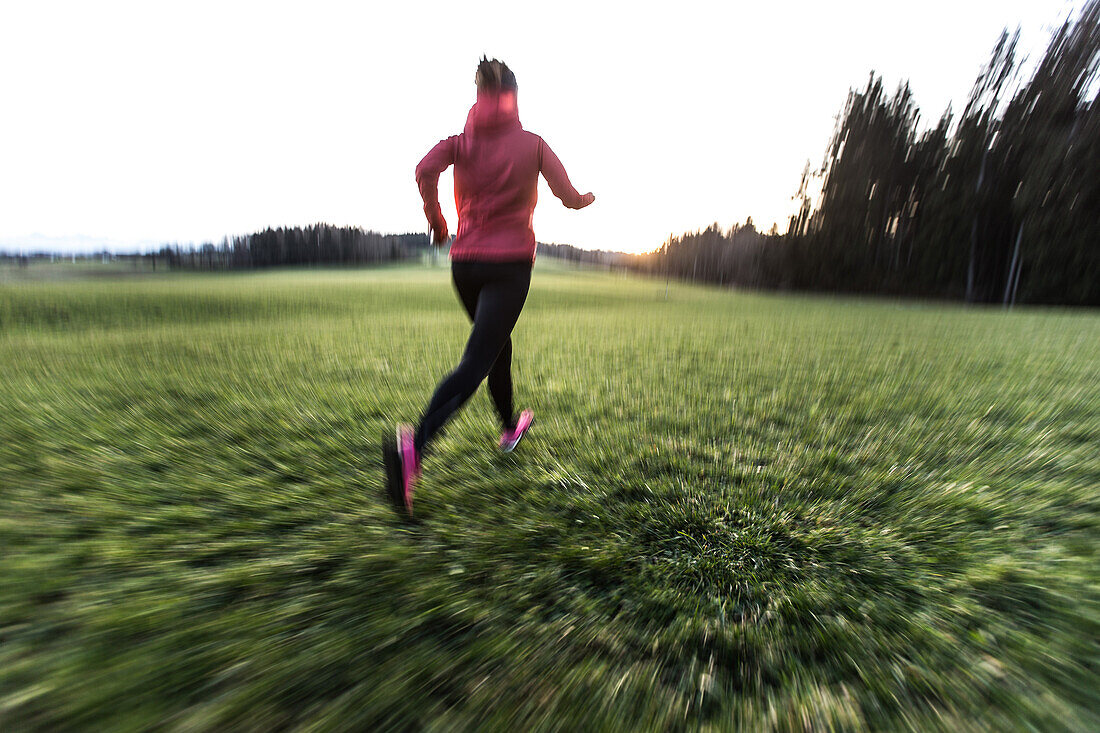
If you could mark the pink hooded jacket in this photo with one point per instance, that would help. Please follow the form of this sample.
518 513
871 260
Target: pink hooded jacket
497 165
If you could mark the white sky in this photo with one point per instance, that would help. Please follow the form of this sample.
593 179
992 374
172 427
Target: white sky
146 122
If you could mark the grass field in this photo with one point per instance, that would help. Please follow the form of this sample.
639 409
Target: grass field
735 510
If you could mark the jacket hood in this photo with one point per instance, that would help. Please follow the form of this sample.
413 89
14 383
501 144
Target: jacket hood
493 112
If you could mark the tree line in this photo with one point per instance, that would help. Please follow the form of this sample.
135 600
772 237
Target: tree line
318 244
323 244
998 205
578 256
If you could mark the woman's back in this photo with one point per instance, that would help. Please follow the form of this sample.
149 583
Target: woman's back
497 164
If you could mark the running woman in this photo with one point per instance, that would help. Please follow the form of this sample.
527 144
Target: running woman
497 165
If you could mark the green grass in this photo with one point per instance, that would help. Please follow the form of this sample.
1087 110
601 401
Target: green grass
735 510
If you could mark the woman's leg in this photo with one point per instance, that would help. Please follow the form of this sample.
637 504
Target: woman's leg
500 385
500 376
500 294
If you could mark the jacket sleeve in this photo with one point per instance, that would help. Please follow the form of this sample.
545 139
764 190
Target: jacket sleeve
435 162
554 173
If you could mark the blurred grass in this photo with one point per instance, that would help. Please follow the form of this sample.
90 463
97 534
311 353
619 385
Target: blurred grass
735 510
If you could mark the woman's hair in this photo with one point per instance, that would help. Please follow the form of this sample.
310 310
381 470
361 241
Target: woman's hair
494 76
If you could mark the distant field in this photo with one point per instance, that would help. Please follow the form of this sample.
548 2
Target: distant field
63 268
734 511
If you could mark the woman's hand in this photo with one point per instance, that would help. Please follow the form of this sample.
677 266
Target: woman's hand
439 233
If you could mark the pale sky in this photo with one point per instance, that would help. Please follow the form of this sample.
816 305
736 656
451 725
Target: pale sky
137 123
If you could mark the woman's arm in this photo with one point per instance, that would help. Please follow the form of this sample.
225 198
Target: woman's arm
554 173
435 162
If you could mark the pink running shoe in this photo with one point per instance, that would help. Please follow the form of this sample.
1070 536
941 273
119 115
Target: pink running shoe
509 439
402 469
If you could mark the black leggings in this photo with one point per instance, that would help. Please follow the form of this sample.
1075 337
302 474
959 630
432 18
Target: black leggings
493 294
